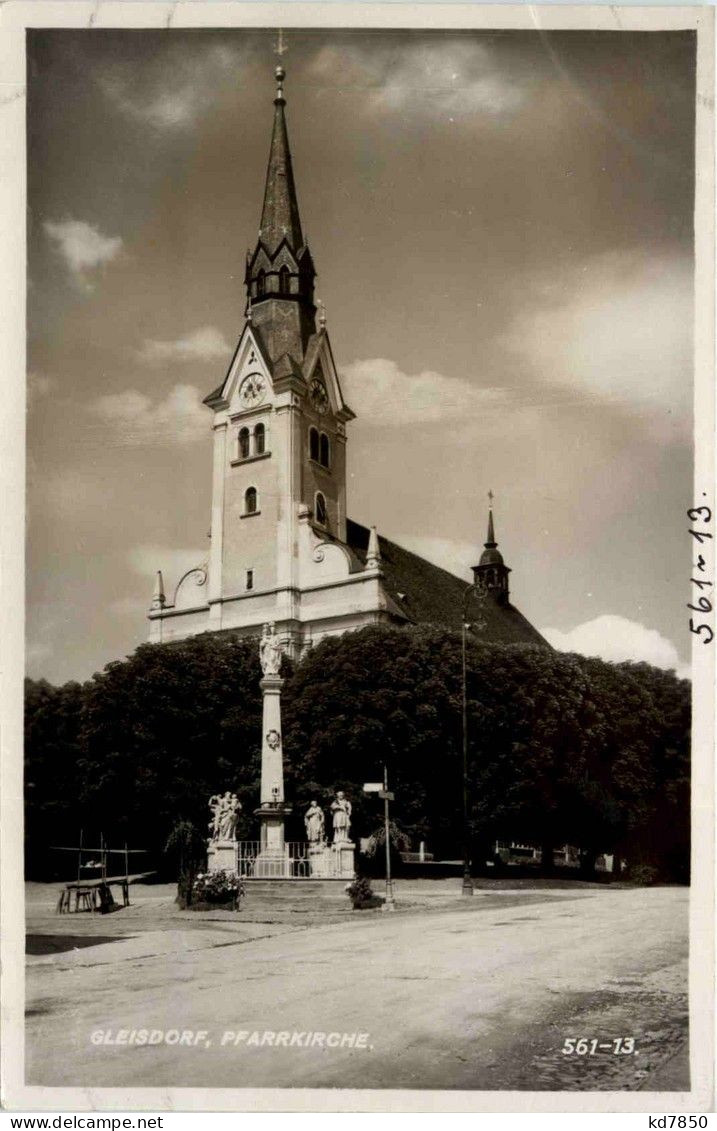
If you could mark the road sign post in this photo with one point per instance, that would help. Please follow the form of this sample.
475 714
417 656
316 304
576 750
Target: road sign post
389 903
382 790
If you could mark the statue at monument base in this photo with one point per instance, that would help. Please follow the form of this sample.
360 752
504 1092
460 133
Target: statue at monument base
336 860
222 848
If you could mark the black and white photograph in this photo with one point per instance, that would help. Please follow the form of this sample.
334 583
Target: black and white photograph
368 566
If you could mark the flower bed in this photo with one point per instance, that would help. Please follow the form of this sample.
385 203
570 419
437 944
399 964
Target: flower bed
216 891
362 894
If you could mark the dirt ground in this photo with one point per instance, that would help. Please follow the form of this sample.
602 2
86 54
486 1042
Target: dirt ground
448 992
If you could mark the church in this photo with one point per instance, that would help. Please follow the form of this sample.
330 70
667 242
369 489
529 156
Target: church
282 547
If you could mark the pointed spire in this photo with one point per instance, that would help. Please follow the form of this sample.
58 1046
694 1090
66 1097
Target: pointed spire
280 214
373 553
158 598
490 543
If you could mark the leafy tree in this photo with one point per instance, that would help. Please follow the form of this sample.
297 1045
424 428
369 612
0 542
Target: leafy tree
53 810
561 748
151 738
380 695
662 837
185 850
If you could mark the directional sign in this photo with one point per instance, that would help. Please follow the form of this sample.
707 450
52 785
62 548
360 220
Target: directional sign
386 795
373 787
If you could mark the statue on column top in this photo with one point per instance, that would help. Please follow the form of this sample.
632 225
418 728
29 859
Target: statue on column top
270 650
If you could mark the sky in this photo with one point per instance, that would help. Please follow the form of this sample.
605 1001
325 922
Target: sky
502 225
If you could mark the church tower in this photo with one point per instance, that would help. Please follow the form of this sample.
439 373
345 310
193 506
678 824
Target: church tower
279 464
282 549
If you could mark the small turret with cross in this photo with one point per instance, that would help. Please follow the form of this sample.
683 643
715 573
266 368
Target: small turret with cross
491 573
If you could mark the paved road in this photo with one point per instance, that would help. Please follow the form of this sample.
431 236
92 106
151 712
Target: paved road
471 998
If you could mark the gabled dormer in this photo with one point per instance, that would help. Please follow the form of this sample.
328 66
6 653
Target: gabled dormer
320 371
249 380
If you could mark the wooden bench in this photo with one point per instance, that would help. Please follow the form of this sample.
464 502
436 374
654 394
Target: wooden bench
96 895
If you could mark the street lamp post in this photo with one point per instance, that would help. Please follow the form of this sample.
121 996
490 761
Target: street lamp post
467 887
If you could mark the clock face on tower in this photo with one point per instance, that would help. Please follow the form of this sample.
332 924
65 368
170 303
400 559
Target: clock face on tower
253 390
318 396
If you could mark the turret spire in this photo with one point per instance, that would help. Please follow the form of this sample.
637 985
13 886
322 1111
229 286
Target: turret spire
491 573
158 598
373 554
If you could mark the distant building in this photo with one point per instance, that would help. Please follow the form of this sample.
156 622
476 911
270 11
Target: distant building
282 546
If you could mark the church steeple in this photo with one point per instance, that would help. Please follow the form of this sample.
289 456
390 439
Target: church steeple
280 214
491 573
280 272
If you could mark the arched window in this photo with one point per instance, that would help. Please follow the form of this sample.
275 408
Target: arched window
260 282
284 280
320 509
259 440
324 450
313 444
244 443
250 500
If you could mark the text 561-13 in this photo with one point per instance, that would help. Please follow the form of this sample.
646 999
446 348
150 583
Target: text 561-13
592 1046
701 517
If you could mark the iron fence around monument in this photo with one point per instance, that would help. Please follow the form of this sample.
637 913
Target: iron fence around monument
295 864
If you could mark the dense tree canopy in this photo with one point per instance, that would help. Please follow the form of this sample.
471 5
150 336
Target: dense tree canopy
144 744
560 748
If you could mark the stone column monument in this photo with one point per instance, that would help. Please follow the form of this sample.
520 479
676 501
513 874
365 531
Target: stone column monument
222 847
273 857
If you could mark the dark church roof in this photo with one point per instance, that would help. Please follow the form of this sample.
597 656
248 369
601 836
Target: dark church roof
427 594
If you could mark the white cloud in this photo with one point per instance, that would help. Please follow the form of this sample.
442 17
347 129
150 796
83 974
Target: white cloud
165 109
82 246
455 556
170 91
135 419
134 606
618 327
38 386
147 558
459 78
45 626
204 344
65 492
379 388
616 638
36 652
